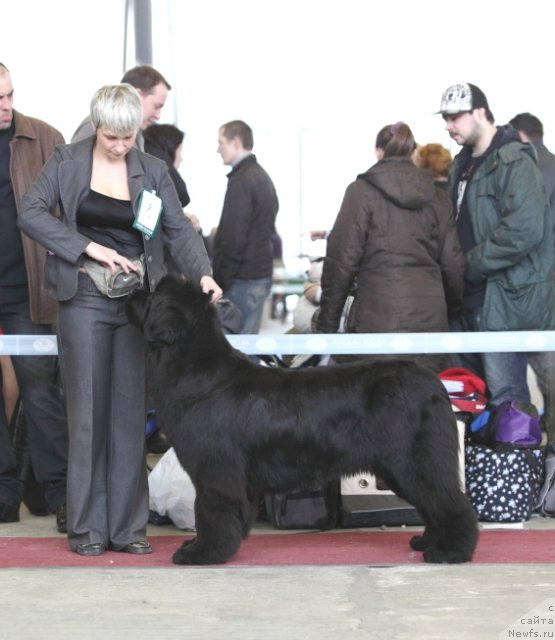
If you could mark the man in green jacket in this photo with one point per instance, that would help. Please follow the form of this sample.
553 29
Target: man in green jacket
505 230
530 129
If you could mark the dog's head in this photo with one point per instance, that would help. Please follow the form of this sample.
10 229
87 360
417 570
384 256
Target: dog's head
171 313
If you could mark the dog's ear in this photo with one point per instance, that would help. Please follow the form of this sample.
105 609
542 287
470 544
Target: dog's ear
164 329
169 318
135 307
174 312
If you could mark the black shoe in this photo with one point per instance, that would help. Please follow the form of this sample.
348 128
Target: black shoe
9 513
139 548
61 518
90 549
34 498
155 518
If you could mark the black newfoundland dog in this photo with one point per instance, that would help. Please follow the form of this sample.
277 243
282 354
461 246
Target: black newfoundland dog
242 430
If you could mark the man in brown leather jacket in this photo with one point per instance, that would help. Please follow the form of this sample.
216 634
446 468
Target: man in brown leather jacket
25 308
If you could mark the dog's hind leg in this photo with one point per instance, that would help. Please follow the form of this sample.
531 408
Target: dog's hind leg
451 526
421 543
428 473
222 514
454 532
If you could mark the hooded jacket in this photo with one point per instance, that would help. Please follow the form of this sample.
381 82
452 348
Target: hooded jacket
395 237
177 180
512 226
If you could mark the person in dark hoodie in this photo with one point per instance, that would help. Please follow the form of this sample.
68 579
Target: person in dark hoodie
395 237
165 141
505 230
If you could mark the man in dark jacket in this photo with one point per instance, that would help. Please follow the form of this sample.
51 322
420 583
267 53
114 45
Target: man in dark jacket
25 308
530 129
243 250
505 230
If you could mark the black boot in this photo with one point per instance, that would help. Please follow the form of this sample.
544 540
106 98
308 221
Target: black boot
9 513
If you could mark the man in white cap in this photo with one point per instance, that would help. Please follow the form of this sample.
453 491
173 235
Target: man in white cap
505 230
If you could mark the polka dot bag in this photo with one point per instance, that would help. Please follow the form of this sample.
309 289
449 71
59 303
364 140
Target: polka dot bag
503 484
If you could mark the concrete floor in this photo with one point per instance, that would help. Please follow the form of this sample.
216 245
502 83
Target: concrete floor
270 603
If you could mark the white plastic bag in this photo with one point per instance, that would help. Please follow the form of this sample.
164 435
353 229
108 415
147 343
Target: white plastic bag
172 492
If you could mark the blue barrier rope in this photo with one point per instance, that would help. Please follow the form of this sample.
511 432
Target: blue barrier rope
341 343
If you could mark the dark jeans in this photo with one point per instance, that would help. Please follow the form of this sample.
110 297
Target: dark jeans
249 296
504 373
42 398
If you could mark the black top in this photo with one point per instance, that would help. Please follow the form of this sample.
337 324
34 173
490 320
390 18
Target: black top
109 222
13 275
466 168
177 180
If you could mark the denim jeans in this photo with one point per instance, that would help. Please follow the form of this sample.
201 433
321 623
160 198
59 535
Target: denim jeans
249 296
504 373
45 417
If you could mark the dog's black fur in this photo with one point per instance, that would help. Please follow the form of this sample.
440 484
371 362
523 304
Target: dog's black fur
242 430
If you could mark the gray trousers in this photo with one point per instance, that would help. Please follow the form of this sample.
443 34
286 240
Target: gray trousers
103 366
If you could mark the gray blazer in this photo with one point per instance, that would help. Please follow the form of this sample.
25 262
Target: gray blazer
65 180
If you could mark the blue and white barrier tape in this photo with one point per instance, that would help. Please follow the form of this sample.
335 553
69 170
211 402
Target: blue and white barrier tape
341 343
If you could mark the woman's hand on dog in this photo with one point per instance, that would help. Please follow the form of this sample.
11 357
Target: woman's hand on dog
208 285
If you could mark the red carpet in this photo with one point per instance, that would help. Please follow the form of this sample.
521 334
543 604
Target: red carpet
375 548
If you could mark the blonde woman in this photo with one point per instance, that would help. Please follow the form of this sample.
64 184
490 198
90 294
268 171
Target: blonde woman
119 209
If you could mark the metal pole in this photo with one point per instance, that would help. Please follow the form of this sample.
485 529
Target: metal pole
143 31
138 33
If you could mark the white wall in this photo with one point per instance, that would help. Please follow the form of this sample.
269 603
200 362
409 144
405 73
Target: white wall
315 79
59 52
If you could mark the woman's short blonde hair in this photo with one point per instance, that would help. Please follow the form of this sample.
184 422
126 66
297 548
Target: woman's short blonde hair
118 108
